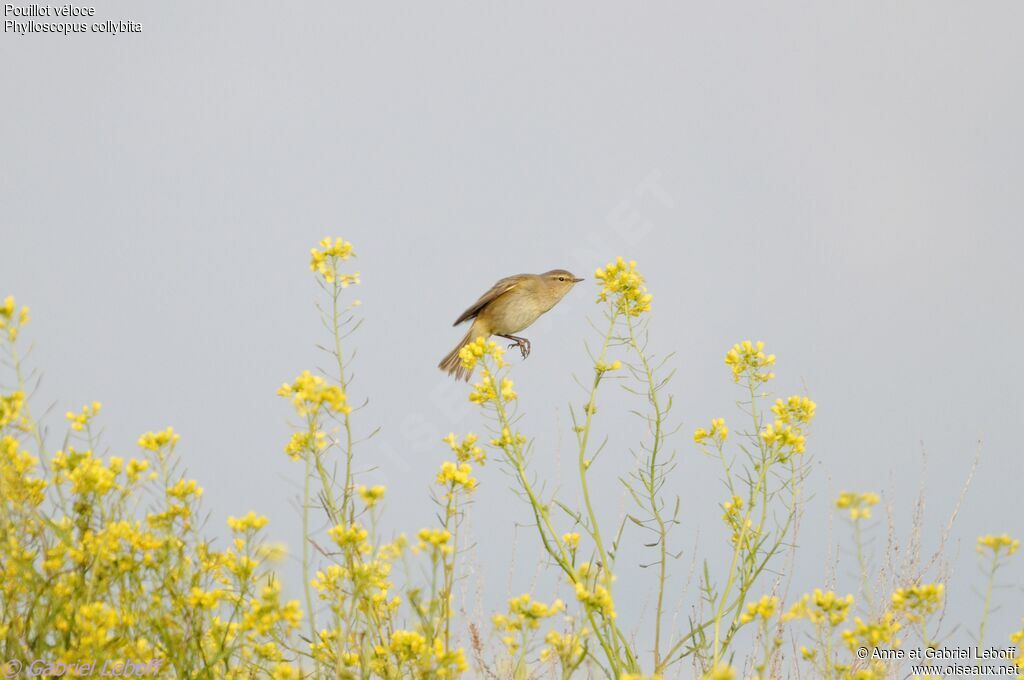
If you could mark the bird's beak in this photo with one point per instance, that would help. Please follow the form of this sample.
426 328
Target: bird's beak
576 280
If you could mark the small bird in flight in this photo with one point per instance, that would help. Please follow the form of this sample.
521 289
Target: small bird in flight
512 304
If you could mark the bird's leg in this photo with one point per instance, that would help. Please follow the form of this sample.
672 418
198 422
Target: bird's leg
522 343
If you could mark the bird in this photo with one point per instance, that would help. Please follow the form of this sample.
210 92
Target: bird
512 304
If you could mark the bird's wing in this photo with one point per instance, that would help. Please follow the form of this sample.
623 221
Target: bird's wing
497 290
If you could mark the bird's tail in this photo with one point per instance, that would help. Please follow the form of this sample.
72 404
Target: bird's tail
452 364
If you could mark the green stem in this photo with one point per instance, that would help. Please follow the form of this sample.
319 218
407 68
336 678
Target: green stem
307 581
548 536
348 509
988 598
652 497
862 565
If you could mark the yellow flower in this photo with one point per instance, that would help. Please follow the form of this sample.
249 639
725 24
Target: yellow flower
784 440
605 367
507 439
80 420
301 442
183 489
917 602
135 468
796 409
473 352
408 645
11 406
597 599
721 672
371 495
717 434
624 286
311 392
11 322
748 358
154 441
456 474
250 521
567 647
525 613
466 450
18 485
873 634
283 671
348 536
1017 638
764 609
325 262
436 539
998 543
733 517
820 607
572 540
859 504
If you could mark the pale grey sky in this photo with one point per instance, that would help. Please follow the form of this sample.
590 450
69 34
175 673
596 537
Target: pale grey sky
841 180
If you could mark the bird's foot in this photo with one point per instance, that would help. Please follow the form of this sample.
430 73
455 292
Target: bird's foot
522 343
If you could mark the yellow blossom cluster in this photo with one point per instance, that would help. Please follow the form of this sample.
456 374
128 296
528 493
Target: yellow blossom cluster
859 504
748 359
19 483
411 650
349 536
820 607
81 419
507 439
873 634
11 406
722 671
307 441
87 473
795 410
466 450
784 440
1017 638
472 352
763 609
12 320
624 286
998 544
309 393
326 260
741 526
785 437
568 648
454 475
917 602
434 539
717 433
526 613
371 495
591 591
248 522
89 576
154 441
489 388
606 367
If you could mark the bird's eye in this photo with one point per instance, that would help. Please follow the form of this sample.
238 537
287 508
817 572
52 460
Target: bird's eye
561 278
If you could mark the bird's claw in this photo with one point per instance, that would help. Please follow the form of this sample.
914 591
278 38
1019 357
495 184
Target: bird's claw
524 346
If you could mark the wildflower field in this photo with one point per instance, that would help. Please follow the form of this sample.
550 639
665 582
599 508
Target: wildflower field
104 559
